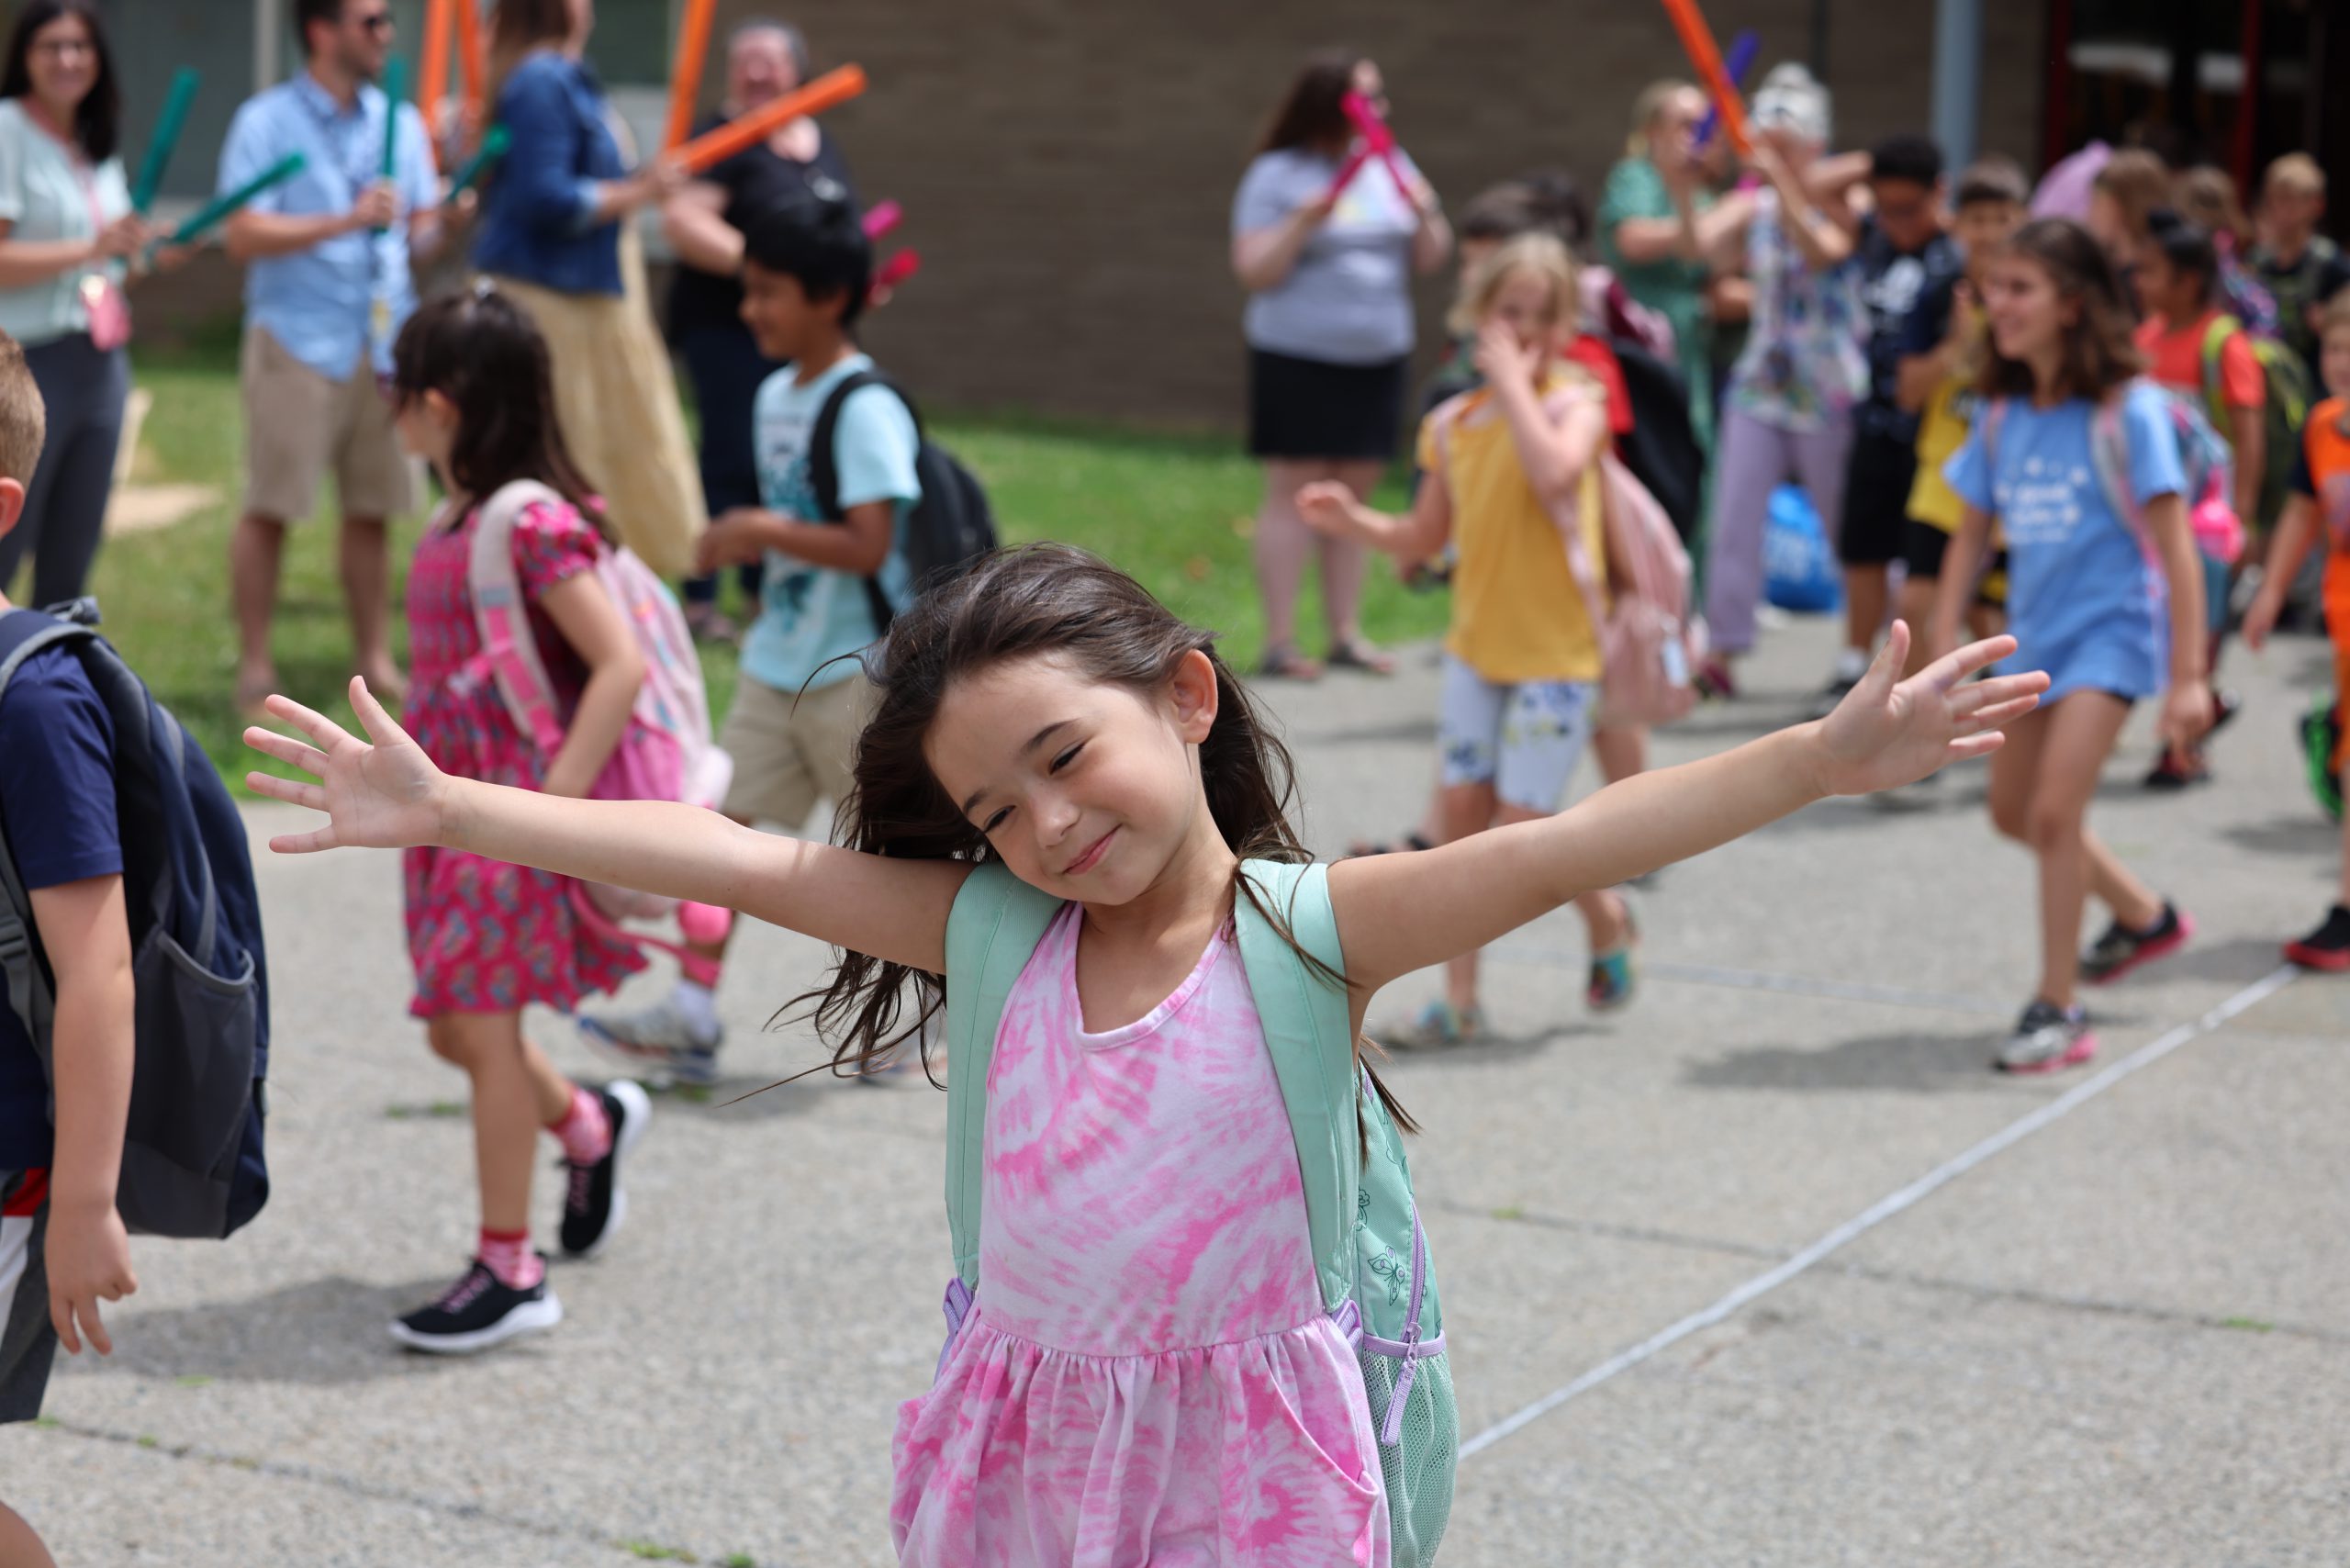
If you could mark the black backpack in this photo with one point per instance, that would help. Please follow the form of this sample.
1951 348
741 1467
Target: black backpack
192 1159
948 528
1661 448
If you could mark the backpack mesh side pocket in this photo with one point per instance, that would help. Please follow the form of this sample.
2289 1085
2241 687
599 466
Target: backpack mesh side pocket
1418 1471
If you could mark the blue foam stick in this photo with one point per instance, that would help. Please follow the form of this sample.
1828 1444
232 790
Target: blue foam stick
1742 50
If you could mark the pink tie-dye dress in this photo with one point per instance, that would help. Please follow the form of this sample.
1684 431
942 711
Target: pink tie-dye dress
1148 1376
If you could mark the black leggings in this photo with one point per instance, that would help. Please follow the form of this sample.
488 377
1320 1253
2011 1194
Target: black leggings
65 505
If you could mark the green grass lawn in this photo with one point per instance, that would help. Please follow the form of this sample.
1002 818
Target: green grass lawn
1175 512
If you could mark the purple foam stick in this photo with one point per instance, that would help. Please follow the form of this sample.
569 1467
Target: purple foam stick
1742 50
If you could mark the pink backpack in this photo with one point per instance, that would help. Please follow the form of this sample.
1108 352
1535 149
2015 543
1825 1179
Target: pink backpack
1650 641
667 753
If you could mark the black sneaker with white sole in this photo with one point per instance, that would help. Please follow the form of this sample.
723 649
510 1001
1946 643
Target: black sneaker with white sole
477 1311
594 1202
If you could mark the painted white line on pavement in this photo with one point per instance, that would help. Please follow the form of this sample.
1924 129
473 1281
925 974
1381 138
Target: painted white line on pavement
1885 1208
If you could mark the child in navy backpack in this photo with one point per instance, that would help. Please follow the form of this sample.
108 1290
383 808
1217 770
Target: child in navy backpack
1148 1368
2078 463
802 693
475 398
62 1246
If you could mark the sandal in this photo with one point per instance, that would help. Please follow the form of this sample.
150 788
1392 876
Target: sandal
1439 1026
1612 977
1284 663
1411 841
1356 654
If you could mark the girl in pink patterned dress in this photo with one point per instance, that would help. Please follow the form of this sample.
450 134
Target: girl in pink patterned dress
1146 1374
486 937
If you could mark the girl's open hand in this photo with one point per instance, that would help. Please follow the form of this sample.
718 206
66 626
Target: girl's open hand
1889 732
383 796
1328 506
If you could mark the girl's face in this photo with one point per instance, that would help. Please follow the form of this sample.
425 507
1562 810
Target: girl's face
1673 135
2334 360
758 69
428 427
1527 304
2027 312
1371 85
62 60
1087 791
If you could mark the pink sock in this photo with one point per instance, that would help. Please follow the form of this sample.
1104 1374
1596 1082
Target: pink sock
507 1254
585 1132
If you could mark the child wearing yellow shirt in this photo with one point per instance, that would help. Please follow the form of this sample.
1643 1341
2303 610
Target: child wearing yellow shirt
1510 478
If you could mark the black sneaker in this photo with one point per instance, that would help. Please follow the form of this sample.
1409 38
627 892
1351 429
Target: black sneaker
2327 948
2121 949
477 1311
594 1202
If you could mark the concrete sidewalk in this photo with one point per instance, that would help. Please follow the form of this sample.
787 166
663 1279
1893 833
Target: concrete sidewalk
2122 1339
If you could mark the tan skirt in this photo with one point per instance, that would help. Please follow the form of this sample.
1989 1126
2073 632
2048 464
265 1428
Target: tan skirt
616 396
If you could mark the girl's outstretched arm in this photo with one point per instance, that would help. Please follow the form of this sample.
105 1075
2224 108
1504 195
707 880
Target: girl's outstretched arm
1400 912
388 795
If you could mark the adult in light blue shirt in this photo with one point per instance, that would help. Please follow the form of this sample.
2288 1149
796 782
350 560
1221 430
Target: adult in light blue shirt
327 290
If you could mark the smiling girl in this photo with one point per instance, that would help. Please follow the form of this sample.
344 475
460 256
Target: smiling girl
1146 1372
2078 460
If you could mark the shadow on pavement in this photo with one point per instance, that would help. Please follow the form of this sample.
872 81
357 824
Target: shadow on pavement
326 1331
1911 1061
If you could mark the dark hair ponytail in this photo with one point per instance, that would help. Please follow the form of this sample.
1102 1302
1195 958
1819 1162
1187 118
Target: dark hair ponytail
1040 599
478 349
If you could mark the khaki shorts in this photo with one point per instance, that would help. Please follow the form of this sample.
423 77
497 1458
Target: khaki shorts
299 423
792 749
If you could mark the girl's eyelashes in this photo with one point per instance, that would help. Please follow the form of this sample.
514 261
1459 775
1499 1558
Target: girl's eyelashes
1059 763
994 822
1067 757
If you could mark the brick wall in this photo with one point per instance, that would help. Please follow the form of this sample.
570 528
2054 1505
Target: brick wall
1067 169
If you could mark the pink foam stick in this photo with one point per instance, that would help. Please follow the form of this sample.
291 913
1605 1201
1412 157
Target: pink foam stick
882 217
1377 139
892 273
1347 172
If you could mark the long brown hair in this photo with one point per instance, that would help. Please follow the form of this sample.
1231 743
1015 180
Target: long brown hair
2138 182
2098 354
478 349
1311 113
1040 599
517 26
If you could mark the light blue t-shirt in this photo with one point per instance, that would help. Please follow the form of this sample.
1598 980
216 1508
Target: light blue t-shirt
810 616
319 304
47 192
2087 599
1348 298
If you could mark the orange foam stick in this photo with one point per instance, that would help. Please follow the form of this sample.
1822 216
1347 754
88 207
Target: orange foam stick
469 56
432 79
833 88
685 79
1698 42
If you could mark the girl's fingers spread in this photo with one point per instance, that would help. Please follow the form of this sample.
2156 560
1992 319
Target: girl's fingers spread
1993 717
286 748
317 726
1983 745
291 791
1965 661
2006 689
378 723
303 842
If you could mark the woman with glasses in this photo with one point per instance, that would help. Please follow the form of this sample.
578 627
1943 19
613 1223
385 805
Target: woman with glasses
67 236
1328 270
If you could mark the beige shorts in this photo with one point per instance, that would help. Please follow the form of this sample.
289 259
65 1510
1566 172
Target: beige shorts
792 749
299 423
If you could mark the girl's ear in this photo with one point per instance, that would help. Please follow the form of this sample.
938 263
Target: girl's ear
1192 690
442 411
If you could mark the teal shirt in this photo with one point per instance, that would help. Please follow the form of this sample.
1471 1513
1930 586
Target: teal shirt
45 194
1673 288
810 618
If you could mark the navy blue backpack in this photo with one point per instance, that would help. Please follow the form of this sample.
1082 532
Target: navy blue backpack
192 1163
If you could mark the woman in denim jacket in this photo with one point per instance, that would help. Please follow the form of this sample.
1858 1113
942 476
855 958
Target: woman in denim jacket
557 237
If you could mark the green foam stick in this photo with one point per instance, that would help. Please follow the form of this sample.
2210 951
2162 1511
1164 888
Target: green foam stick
166 139
469 173
394 89
209 216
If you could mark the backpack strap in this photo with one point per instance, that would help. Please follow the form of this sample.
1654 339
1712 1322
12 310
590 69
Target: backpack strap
502 615
992 932
1309 1028
824 471
2215 353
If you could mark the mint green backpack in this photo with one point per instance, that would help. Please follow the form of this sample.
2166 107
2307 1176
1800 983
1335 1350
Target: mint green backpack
1370 1256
